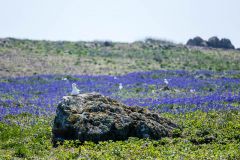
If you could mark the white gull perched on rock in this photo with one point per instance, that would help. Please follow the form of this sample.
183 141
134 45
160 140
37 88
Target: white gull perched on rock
75 90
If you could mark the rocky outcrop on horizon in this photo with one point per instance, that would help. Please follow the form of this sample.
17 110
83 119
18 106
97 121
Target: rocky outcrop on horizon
213 42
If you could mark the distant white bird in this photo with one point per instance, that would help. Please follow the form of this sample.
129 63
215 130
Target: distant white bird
166 81
75 90
64 79
120 86
192 90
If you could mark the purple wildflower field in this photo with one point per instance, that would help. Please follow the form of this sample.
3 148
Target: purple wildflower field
187 91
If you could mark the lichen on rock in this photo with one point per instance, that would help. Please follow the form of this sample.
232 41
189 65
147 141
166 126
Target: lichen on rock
94 117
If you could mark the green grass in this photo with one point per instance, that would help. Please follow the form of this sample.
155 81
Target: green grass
213 135
26 57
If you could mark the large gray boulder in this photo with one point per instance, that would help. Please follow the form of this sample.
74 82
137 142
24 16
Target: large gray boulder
93 117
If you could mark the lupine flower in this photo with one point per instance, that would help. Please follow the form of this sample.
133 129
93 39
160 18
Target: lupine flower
39 95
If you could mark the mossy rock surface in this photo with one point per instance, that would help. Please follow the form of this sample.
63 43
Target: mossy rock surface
94 117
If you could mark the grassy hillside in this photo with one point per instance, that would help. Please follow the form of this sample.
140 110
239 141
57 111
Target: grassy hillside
27 57
205 103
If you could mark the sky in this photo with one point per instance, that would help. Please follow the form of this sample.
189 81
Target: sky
120 20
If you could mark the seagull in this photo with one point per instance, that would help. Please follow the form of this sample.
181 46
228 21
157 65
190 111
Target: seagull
166 81
192 90
120 86
165 88
75 90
